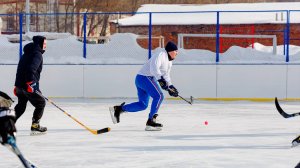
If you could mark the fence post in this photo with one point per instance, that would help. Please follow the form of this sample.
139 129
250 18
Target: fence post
287 35
150 36
20 33
84 34
218 37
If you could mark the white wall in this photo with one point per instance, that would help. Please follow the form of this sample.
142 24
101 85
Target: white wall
251 81
200 81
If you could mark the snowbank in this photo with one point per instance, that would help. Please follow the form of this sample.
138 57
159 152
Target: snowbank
124 49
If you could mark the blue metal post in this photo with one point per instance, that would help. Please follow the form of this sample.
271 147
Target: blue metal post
84 35
287 36
150 36
20 33
218 37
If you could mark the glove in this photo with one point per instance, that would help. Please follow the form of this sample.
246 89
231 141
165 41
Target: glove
31 87
163 84
7 128
173 91
15 91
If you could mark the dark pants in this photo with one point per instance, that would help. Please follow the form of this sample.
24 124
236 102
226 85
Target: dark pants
36 100
7 127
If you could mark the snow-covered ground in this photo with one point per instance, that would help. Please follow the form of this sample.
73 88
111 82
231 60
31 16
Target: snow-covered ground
238 134
124 49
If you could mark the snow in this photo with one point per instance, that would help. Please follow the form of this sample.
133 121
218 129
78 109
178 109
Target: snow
206 14
238 134
124 49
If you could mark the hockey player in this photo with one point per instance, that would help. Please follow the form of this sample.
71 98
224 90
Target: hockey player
7 118
153 76
8 129
27 82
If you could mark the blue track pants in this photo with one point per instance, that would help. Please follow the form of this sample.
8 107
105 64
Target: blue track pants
146 86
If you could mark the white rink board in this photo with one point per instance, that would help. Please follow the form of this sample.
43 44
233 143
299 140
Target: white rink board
293 81
62 81
7 78
251 81
200 81
196 80
110 80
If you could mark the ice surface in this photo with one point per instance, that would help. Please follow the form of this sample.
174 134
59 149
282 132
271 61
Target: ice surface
239 134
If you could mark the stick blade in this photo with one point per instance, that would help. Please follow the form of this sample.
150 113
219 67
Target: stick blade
103 130
192 100
280 110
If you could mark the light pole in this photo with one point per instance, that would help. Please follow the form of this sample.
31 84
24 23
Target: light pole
27 16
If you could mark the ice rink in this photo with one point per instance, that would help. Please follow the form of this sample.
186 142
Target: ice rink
239 134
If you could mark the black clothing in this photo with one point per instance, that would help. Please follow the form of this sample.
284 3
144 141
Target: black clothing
31 64
7 127
170 47
39 40
36 100
29 69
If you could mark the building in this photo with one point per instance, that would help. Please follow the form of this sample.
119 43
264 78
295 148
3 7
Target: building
169 25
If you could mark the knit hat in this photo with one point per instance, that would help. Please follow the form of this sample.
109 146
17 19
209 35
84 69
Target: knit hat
171 46
39 40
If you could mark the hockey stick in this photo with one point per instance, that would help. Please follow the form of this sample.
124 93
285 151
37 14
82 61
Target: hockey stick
190 102
282 112
95 132
11 145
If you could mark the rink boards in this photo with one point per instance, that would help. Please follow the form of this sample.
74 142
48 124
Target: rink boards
200 81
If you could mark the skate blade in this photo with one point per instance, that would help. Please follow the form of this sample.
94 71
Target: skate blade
149 128
36 133
112 114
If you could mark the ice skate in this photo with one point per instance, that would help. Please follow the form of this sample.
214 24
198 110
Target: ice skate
36 129
154 117
152 125
115 113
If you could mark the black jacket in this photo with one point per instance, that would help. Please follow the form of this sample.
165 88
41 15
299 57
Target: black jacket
31 63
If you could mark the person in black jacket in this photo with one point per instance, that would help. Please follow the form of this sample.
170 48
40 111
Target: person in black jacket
27 82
